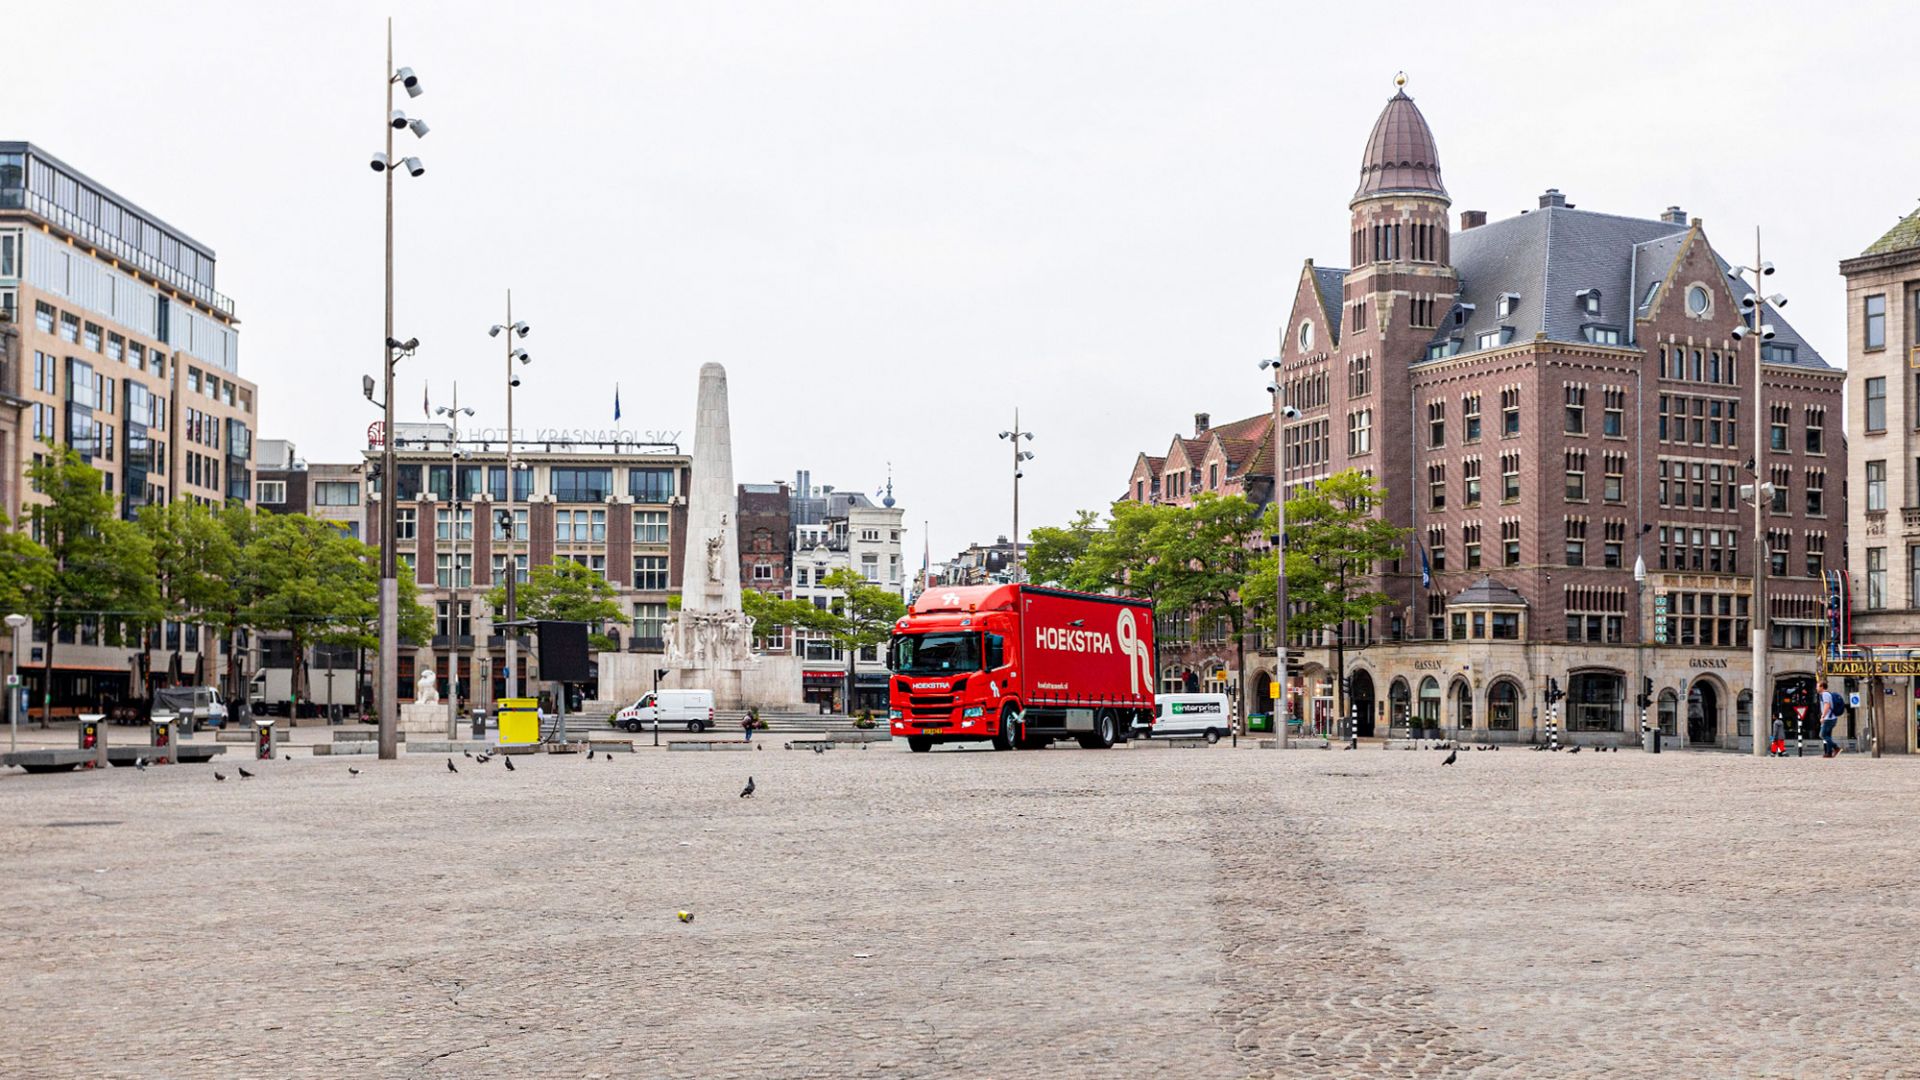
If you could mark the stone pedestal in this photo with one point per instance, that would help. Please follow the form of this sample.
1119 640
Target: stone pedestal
425 719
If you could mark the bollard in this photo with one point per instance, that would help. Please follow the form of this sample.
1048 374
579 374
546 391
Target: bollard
93 736
656 733
160 738
266 740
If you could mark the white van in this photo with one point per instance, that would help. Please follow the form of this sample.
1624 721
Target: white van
694 708
1191 716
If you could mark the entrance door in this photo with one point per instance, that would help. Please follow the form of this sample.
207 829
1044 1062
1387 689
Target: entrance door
1703 714
1362 703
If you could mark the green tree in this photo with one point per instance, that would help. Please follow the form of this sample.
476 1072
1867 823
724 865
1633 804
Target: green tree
1057 555
1206 558
25 570
862 617
1334 541
315 584
98 567
199 572
566 591
768 611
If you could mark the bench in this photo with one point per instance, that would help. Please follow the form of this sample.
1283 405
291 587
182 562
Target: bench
46 761
710 744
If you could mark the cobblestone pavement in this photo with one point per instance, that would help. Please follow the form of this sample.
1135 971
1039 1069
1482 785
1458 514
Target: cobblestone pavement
1203 913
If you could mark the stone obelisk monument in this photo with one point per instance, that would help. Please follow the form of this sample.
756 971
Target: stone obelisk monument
710 642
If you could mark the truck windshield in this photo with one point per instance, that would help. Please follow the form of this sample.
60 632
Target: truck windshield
936 654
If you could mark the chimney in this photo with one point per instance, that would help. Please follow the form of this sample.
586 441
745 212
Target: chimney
1201 421
1552 197
1472 219
1674 216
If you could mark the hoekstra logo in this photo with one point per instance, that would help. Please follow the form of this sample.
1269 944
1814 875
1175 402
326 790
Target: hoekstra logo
1140 665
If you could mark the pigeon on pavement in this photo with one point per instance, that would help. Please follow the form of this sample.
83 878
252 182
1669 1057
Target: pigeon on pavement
590 753
509 764
450 766
1573 750
466 753
140 763
353 771
219 775
244 774
1452 756
747 792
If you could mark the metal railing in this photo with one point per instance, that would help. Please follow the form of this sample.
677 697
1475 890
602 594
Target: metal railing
120 249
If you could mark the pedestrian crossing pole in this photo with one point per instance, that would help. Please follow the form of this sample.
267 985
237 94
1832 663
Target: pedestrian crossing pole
1553 713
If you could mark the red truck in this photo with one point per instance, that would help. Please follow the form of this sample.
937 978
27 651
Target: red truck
1021 666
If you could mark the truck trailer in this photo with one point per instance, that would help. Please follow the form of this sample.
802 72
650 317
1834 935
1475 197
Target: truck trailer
1020 666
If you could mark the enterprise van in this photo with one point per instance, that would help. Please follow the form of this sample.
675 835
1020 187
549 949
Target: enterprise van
693 708
1190 716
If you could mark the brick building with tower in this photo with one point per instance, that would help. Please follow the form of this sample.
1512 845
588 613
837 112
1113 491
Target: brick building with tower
1550 399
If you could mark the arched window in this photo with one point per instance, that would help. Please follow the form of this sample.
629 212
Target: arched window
1463 706
1430 702
1503 706
1669 713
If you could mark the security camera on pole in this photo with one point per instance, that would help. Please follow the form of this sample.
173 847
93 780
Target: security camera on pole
505 519
383 162
1019 456
1754 324
1278 388
453 414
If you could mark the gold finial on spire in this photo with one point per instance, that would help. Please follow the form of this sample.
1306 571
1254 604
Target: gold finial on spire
1400 79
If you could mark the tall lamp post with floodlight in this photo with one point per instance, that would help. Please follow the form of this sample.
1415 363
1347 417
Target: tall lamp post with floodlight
383 162
14 623
453 413
1754 324
513 330
1283 413
1019 456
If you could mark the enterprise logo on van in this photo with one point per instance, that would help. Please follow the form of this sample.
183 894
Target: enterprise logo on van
1065 639
1194 708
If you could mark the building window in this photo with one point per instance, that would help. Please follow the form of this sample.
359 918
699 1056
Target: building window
405 523
446 527
1505 625
1436 487
1510 476
650 573
1470 482
1510 412
1616 543
1876 578
580 526
1876 485
1779 416
1877 404
519 519
453 571
1816 417
1470 541
1360 377
1779 549
336 493
1510 543
1816 492
1817 555
649 623
1613 487
1698 301
1577 475
580 485
519 567
650 526
1360 432
1436 424
1576 542
1437 547
1470 417
273 492
1875 312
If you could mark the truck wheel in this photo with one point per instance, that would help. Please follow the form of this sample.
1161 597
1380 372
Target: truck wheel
1212 736
1006 740
696 726
919 744
1101 738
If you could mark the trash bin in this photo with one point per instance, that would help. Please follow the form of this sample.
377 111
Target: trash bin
1259 722
160 733
266 740
1651 741
479 723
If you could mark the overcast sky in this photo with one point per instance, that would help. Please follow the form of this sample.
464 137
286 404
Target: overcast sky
896 222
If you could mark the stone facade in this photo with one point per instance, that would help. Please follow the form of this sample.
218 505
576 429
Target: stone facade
1547 399
1883 430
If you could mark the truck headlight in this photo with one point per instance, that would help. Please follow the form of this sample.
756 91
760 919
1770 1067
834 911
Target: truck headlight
973 711
893 714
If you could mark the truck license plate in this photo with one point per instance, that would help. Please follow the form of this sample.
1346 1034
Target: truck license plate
932 731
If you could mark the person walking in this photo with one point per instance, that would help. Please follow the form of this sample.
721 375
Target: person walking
1778 748
747 725
1829 716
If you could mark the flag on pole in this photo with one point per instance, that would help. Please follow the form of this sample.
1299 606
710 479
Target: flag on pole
426 404
616 403
1426 569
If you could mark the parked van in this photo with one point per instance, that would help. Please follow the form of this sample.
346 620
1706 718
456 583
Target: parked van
1191 716
694 708
194 706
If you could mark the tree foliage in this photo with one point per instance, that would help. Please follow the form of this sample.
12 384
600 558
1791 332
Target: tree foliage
1334 542
566 591
863 616
315 583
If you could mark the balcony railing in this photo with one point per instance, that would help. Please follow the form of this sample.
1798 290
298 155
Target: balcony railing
119 249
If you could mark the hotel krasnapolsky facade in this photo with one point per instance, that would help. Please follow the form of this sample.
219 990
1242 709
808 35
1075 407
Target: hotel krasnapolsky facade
1547 399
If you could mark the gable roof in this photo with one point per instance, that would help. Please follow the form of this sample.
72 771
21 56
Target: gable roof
1550 255
1902 236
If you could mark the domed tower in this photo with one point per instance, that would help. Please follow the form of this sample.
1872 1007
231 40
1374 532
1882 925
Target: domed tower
1400 207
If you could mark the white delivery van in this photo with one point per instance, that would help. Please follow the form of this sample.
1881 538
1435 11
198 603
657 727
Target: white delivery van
1191 716
671 708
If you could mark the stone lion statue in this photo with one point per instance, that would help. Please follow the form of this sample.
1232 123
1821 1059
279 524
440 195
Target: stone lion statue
426 689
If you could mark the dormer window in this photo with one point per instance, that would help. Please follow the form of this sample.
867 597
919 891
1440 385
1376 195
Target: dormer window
1601 335
1646 301
1503 309
1589 300
1461 313
1493 339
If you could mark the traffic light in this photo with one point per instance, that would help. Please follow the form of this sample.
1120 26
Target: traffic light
1296 663
1346 686
1646 693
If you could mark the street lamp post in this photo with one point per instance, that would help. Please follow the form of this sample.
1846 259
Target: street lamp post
514 352
383 162
14 623
1283 413
1753 307
1019 456
453 413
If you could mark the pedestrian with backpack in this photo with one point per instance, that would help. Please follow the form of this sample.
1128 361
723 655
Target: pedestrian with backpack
1830 711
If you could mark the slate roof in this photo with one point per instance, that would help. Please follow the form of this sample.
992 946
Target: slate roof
1548 256
1331 283
1489 591
1899 238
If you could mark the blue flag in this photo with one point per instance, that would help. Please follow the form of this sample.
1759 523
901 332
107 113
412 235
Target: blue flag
1426 570
616 403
